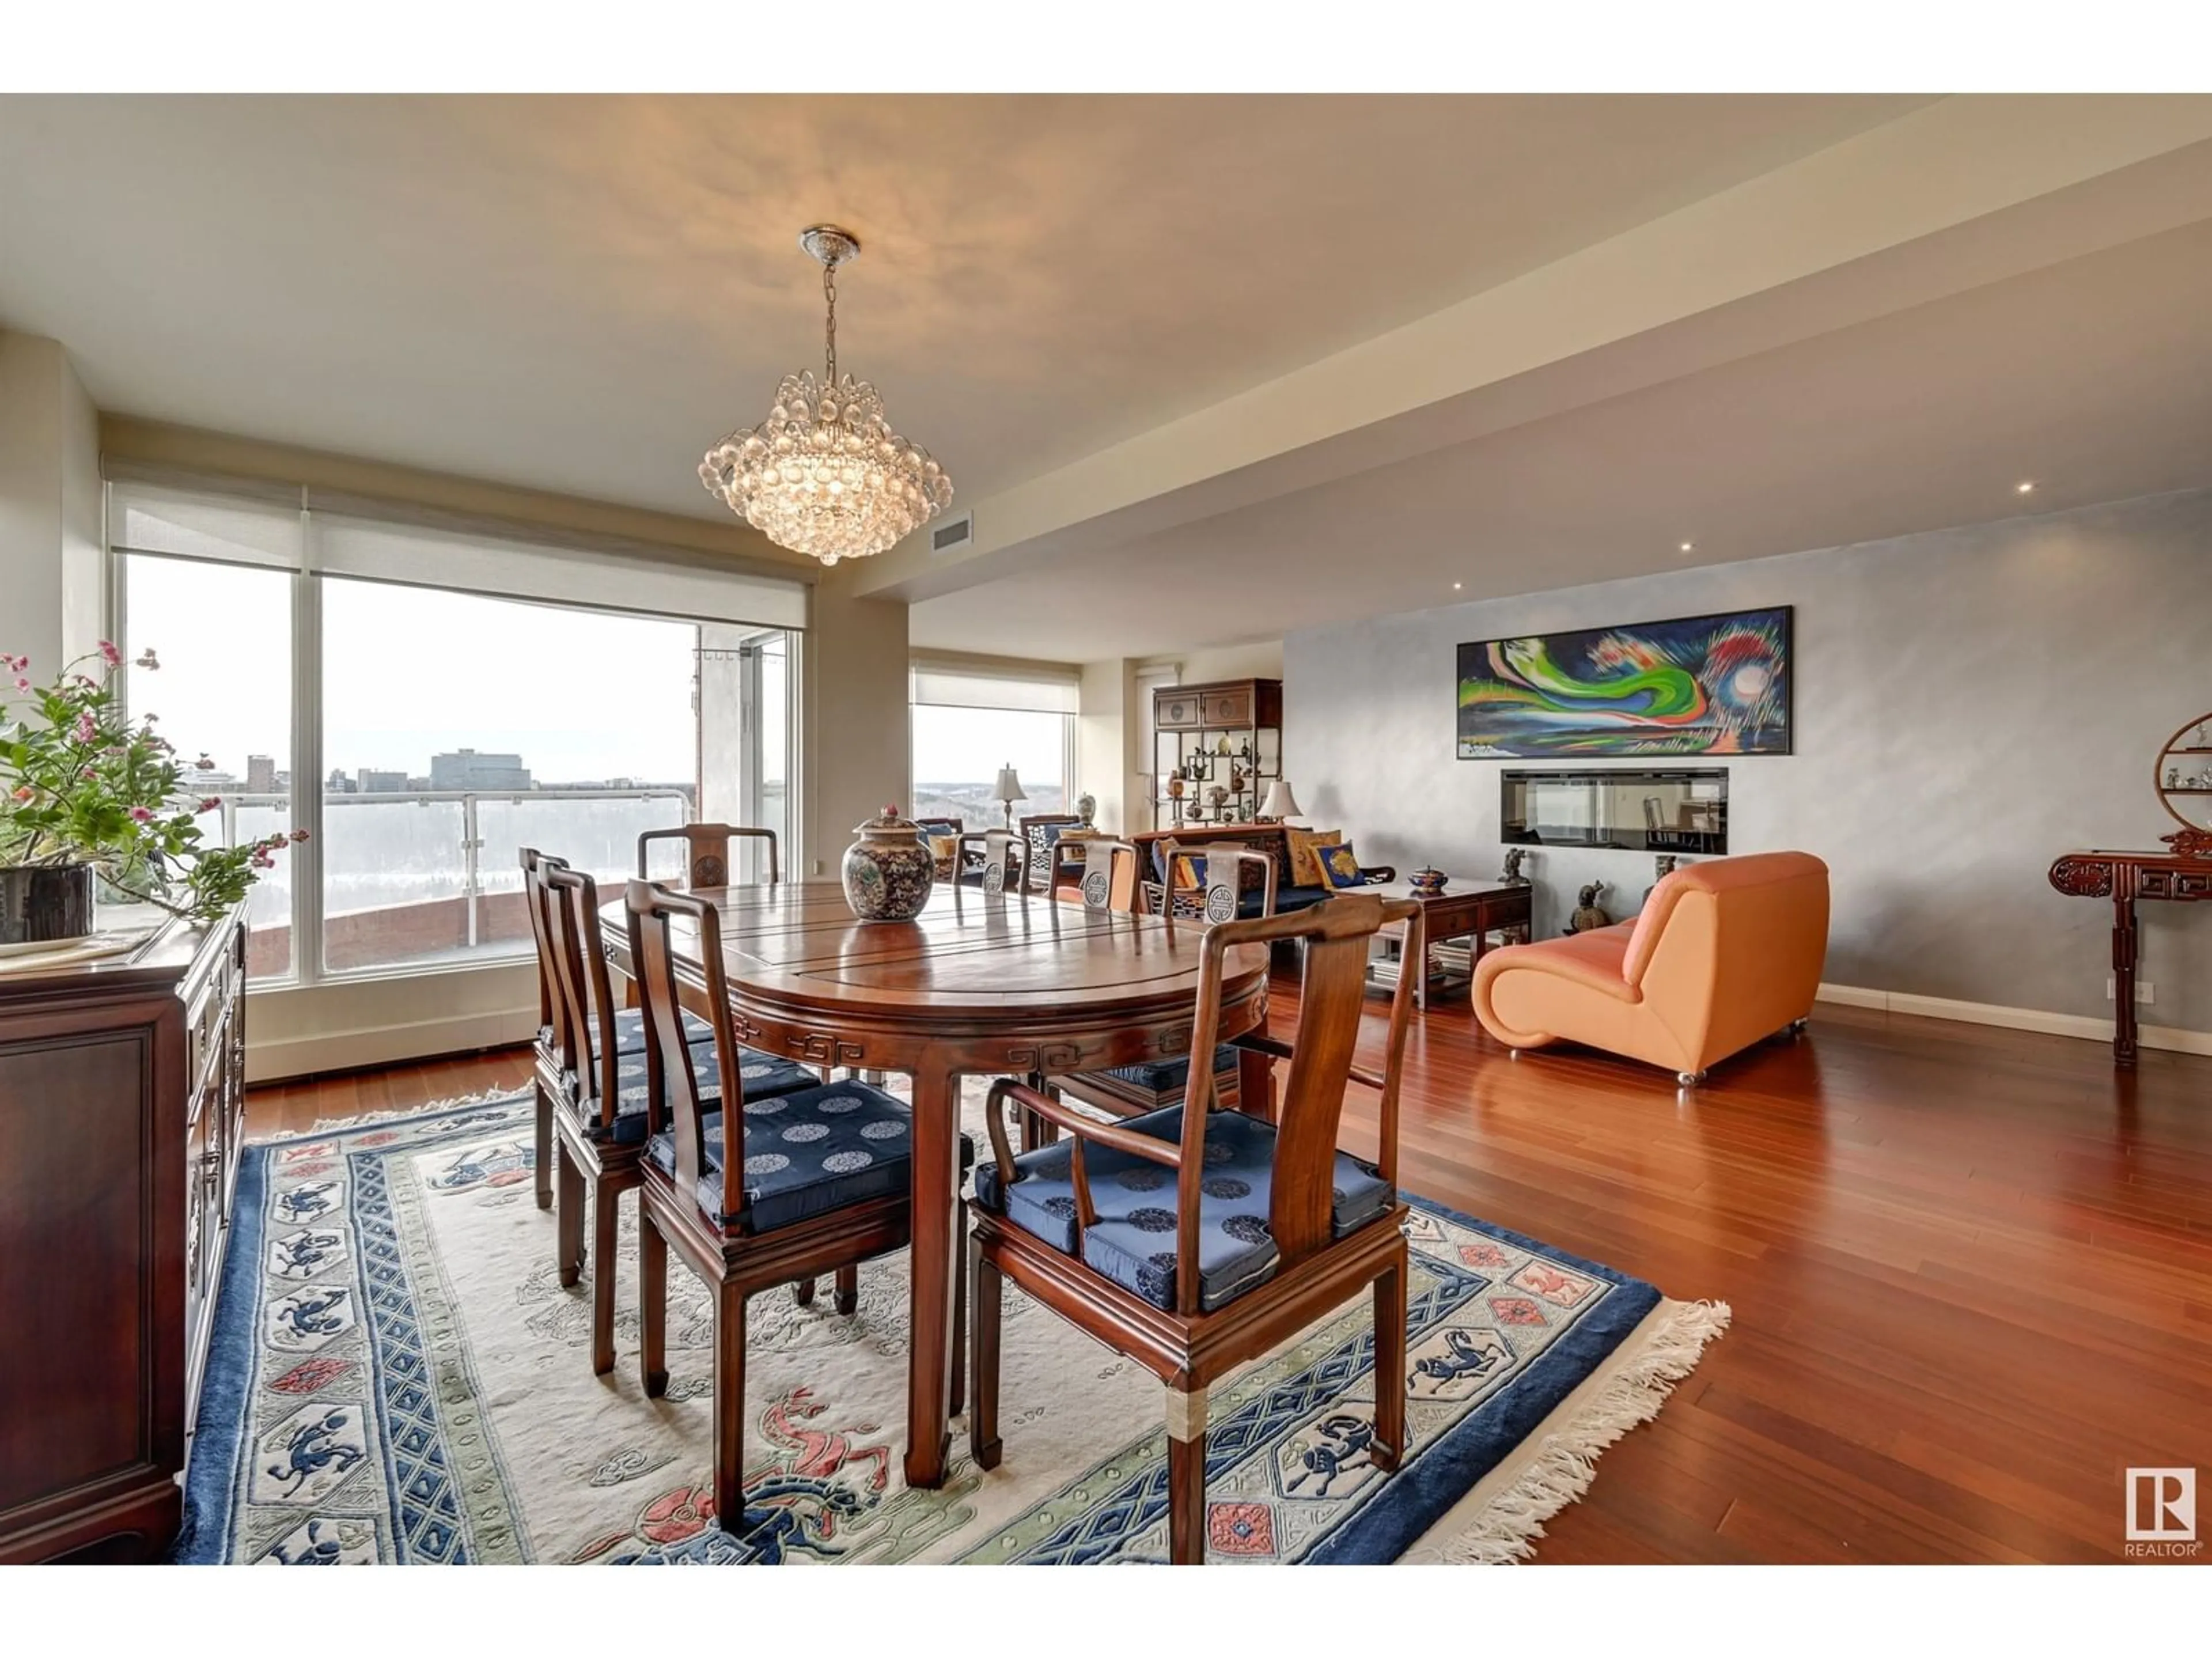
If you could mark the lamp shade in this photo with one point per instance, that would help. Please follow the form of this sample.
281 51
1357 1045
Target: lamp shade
1010 786
1280 802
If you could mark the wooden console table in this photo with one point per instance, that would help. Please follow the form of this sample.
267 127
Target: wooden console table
2123 877
1470 913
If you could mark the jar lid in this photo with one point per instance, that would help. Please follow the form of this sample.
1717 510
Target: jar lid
888 823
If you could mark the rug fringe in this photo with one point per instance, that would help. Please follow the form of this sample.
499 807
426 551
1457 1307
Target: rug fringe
362 1119
1566 1461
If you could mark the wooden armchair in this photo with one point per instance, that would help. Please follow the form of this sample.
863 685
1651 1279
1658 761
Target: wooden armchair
707 852
1040 838
763 1205
992 857
550 1053
1271 1227
599 1117
1110 872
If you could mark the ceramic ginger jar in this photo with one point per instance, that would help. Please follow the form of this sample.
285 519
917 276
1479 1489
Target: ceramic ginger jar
888 871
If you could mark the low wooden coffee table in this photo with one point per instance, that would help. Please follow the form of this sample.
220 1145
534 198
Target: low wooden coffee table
1462 913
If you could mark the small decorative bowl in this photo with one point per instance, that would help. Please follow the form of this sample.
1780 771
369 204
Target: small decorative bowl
1427 880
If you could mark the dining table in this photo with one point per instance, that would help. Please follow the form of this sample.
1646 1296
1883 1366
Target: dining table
977 985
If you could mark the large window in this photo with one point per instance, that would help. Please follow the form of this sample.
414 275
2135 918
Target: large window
448 711
969 725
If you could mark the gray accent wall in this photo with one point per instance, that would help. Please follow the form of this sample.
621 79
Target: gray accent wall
1969 704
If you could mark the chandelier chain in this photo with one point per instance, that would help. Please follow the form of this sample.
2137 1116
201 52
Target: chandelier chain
829 334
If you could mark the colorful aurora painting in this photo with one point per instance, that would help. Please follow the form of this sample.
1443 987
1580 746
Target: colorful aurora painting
1701 685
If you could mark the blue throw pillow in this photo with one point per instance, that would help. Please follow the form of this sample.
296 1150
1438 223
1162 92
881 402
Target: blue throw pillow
1340 867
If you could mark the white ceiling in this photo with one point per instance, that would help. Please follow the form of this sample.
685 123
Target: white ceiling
583 293
1757 324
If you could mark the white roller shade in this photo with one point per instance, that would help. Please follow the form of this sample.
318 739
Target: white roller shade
270 528
962 687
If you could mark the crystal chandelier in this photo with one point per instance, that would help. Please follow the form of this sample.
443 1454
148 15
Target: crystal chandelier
825 474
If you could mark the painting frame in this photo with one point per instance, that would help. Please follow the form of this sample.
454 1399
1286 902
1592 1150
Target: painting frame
1717 683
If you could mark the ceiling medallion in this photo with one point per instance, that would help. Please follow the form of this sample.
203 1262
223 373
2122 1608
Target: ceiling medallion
824 475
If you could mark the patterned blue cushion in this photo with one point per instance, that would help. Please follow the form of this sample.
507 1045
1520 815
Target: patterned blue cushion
1287 899
1169 1078
1133 1242
629 1031
763 1075
810 1153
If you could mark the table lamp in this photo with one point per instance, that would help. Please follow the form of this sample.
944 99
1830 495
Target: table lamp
1280 804
1008 792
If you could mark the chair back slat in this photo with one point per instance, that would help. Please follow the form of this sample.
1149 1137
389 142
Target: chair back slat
1109 873
707 852
536 895
672 1087
1039 834
1001 869
588 988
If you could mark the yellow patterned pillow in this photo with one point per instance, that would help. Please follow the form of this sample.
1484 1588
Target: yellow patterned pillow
1305 863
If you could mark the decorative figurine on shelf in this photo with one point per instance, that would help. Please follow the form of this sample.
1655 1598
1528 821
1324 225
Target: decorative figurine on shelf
1512 875
1427 880
1175 785
1216 796
1086 808
1587 918
1221 748
2173 777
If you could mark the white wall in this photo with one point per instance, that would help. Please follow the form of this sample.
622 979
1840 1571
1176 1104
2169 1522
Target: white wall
1969 704
52 598
1255 659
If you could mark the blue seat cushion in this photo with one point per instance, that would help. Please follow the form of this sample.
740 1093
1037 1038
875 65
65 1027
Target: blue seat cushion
1287 899
806 1154
629 1031
762 1075
1167 1078
1133 1240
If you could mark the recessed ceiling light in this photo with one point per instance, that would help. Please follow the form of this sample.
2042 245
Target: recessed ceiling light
1456 586
2024 485
1687 548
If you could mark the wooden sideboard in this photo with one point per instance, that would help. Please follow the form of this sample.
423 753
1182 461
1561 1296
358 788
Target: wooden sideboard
122 1102
2183 873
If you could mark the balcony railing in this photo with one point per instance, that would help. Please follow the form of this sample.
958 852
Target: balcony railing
425 876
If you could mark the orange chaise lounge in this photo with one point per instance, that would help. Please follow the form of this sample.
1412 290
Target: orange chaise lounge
1725 953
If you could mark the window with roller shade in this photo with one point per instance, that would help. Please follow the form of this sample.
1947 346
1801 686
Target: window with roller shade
453 695
968 723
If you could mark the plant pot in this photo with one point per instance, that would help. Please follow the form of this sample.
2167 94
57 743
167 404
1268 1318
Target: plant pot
45 901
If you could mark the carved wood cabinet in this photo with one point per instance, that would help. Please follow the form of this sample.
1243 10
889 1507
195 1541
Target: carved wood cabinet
121 1102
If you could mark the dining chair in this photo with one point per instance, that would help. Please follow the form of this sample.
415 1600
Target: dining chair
599 1116
1261 1230
707 852
997 868
822 1178
1039 833
1110 872
549 1052
1149 1085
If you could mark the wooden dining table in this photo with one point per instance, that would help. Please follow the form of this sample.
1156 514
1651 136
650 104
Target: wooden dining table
976 986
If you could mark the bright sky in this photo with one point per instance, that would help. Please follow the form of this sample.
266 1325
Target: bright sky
968 746
409 672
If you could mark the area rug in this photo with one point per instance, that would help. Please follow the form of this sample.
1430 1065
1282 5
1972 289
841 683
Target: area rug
398 1376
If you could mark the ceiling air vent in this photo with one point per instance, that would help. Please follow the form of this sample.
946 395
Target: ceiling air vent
953 532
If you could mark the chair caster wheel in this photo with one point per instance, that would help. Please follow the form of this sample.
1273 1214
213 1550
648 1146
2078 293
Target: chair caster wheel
1689 1079
1797 1027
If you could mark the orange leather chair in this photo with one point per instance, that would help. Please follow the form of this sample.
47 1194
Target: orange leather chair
1724 953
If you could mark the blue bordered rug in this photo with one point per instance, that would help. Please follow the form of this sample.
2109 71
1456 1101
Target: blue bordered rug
397 1375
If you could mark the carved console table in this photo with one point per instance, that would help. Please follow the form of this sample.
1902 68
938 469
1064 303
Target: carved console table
2183 871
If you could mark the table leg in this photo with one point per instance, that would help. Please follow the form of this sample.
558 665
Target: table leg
935 1259
2123 980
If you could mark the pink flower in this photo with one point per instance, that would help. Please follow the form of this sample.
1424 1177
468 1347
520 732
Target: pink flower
15 662
209 803
22 682
142 814
298 835
87 727
25 793
110 653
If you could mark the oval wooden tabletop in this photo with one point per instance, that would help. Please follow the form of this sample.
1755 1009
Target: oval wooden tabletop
800 946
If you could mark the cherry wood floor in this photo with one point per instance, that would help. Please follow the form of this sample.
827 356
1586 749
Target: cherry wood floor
1971 1271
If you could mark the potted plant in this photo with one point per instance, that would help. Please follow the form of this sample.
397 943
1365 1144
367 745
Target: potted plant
86 793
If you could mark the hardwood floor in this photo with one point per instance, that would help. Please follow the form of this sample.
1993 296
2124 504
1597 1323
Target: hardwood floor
1971 1270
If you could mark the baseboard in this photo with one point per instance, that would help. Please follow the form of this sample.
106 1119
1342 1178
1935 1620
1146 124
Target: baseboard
384 1045
2086 1026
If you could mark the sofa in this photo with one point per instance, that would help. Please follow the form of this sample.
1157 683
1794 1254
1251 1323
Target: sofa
1268 838
1724 953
